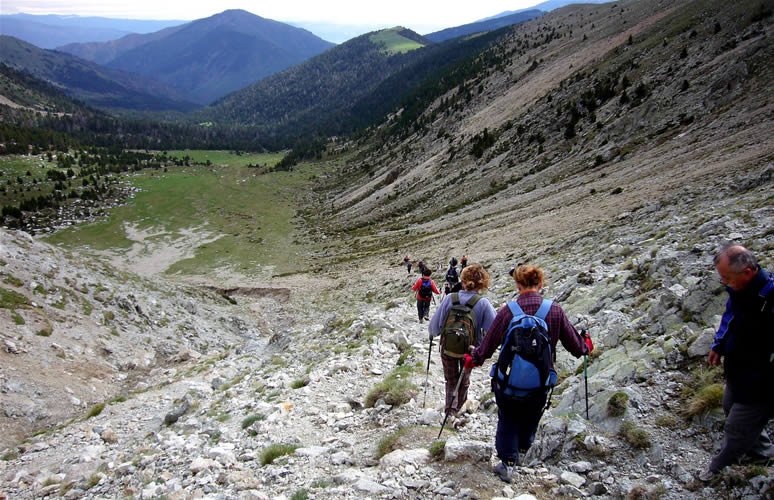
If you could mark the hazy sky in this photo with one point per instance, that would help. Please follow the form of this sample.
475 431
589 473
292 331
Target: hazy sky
419 15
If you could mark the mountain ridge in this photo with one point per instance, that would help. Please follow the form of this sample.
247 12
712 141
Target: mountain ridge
211 57
89 82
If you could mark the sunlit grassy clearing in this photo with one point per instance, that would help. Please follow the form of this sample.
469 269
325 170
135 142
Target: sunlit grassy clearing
249 211
393 42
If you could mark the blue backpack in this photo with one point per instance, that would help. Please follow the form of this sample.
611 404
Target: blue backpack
526 363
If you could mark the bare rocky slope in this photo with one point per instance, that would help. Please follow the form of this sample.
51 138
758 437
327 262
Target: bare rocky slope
200 393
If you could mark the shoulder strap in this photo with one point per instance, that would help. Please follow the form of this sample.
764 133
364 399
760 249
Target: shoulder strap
473 301
455 299
545 306
516 310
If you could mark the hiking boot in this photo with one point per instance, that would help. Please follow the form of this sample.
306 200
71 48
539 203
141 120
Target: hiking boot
420 320
427 318
707 476
504 471
459 421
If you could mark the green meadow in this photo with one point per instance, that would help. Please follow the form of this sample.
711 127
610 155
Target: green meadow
393 42
248 213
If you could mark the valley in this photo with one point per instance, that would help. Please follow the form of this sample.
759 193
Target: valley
235 322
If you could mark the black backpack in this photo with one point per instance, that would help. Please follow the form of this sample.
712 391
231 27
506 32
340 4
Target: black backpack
451 276
426 290
459 329
526 363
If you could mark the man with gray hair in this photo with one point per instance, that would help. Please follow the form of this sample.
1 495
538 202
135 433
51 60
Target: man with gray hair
745 339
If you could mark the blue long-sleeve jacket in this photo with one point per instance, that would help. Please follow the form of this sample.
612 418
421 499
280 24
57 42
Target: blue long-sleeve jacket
745 338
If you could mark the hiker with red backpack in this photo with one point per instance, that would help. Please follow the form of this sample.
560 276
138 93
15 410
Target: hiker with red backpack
528 330
424 288
461 320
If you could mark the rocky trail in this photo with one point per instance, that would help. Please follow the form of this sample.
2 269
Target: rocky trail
282 409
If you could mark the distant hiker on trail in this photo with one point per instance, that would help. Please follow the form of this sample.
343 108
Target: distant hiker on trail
522 384
452 277
745 339
461 320
425 288
463 262
407 263
422 267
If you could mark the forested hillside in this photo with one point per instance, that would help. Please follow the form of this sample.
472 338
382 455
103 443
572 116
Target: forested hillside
90 82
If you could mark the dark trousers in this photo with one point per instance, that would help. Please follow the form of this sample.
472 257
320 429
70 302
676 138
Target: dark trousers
743 433
452 367
517 422
423 308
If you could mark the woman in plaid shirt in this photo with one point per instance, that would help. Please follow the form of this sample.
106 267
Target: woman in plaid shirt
518 419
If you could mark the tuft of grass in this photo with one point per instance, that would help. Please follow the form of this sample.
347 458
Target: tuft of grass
248 421
706 399
396 389
275 451
635 436
9 455
616 405
667 421
301 494
46 331
95 410
299 383
390 442
10 299
13 281
437 447
93 481
18 319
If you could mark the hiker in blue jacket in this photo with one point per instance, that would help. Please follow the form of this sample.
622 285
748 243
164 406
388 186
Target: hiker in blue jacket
745 339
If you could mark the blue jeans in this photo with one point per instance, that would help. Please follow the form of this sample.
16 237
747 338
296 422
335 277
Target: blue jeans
517 423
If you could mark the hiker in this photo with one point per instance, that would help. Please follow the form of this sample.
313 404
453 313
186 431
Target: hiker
407 263
424 288
475 279
745 342
519 412
463 262
452 277
422 267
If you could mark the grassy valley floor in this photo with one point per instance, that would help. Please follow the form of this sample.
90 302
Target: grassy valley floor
227 215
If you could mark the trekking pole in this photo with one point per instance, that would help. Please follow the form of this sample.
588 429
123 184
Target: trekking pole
454 401
427 373
586 378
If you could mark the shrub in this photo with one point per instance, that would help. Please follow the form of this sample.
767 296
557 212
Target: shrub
616 405
396 389
634 435
275 451
617 190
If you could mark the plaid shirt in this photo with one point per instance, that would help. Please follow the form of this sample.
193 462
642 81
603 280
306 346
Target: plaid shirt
559 328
